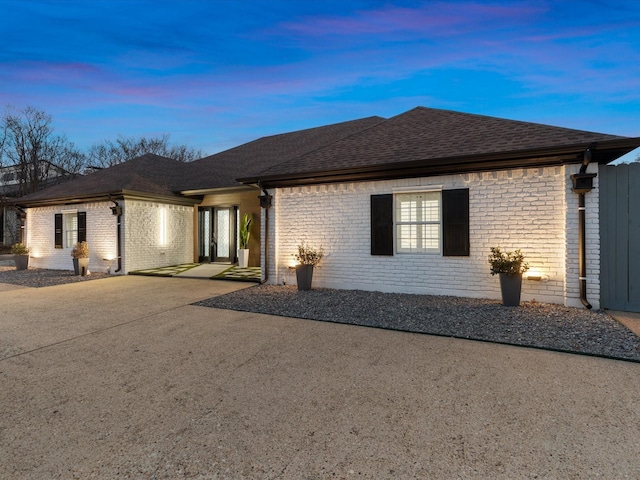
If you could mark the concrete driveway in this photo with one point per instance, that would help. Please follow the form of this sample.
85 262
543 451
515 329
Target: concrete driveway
122 378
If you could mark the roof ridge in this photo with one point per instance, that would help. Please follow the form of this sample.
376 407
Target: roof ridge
292 132
522 122
382 120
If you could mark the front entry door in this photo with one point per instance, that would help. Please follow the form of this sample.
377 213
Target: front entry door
217 234
224 234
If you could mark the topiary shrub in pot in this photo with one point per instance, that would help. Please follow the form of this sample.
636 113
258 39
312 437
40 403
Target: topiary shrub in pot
20 255
509 266
307 258
80 254
244 234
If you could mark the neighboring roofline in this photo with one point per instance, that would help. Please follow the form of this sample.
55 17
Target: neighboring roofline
102 197
604 151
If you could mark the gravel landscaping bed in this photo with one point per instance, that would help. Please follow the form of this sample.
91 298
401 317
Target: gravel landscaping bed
39 277
533 324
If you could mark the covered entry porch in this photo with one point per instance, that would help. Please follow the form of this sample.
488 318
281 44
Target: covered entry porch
218 223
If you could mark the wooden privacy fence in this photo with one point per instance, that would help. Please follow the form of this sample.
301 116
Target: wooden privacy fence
620 237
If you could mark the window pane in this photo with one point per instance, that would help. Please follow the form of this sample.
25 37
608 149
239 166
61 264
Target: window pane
407 237
430 234
430 210
70 226
222 223
417 222
206 236
406 208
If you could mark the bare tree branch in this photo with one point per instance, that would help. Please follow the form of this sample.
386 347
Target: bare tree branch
123 149
32 150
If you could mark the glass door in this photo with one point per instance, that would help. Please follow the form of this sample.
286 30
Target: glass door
217 234
205 238
224 248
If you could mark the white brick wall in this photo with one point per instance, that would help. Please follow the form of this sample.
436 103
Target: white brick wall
519 208
101 236
141 231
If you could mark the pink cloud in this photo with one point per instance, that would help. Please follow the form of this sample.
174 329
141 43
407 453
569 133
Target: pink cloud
430 19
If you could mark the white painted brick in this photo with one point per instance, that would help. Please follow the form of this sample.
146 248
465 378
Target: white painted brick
140 234
531 209
101 237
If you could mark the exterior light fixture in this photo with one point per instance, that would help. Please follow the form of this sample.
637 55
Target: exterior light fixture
265 201
536 276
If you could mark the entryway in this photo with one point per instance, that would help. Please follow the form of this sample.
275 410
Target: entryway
217 234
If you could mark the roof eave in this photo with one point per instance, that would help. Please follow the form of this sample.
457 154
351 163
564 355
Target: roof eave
107 196
602 152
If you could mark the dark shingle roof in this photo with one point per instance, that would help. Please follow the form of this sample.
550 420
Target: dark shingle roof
426 134
422 141
149 174
222 169
155 175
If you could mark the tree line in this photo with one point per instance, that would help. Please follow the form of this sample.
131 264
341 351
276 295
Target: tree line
33 155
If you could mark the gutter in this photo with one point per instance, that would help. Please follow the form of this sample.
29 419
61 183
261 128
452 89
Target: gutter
265 203
101 197
608 150
117 211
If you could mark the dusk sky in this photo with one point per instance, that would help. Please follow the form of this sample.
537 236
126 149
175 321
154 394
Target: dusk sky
215 74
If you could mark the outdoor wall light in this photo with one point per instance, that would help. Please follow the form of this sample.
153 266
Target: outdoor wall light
536 276
265 201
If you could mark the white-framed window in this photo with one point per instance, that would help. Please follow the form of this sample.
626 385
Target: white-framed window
70 229
418 222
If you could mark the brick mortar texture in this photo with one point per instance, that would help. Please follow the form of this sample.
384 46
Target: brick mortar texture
101 236
141 232
531 209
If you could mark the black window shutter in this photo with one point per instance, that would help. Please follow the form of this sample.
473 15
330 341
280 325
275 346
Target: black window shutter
58 230
455 222
82 226
382 224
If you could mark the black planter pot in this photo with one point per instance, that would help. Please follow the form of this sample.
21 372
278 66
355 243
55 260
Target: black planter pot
510 286
304 276
22 261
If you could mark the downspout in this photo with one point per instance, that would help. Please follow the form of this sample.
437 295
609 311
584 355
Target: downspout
265 203
582 251
117 211
583 183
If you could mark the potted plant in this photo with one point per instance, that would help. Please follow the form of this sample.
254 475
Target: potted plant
245 233
80 254
20 255
509 266
307 258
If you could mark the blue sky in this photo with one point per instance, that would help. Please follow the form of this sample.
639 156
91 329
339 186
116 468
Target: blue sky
215 74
